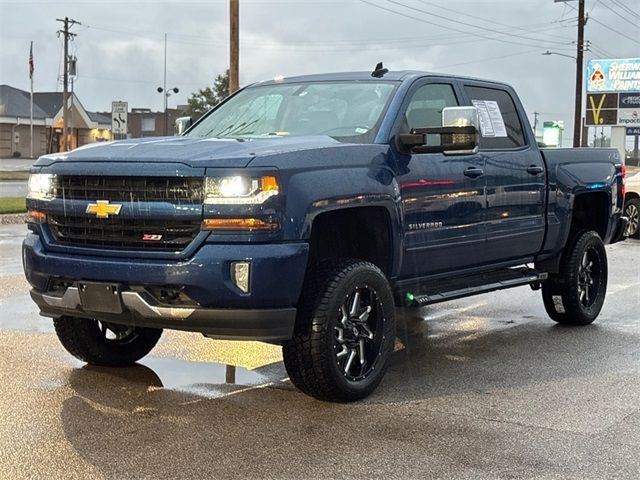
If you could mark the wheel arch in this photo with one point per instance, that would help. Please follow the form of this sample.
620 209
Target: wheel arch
364 232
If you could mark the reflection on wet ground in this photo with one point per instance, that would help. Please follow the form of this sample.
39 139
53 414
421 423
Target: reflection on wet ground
10 256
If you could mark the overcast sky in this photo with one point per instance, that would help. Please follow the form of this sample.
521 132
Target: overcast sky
119 44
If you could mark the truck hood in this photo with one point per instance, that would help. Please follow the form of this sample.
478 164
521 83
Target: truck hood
191 151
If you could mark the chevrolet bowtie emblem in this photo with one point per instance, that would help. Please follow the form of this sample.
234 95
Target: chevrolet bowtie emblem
102 209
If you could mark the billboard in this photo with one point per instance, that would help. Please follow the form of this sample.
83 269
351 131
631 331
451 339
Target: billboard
613 75
613 109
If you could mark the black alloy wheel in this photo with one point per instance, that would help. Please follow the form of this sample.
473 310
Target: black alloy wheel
359 333
344 333
589 273
575 295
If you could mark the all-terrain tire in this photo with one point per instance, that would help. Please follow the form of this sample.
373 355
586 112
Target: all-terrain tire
87 340
576 294
317 357
632 212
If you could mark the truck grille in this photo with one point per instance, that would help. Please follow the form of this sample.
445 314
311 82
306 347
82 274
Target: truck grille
114 232
176 190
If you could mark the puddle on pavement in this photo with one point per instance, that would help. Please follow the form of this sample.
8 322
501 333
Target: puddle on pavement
11 237
177 374
18 312
151 374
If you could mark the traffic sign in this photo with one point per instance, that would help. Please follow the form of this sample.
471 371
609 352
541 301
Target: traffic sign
119 117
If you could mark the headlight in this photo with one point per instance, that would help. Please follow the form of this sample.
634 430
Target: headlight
240 190
41 186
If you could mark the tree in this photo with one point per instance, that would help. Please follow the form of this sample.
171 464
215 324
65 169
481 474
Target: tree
205 99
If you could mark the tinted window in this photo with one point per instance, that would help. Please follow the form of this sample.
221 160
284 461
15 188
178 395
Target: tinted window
494 104
427 103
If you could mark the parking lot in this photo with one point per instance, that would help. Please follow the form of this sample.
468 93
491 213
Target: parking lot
486 387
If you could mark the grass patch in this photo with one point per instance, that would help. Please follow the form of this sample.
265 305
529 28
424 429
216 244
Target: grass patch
12 205
10 175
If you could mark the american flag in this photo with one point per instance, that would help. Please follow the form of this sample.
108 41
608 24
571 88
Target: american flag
31 61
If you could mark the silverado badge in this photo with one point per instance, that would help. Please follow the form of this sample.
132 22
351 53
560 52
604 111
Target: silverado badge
102 209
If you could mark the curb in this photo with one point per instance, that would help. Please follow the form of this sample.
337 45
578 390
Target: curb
13 218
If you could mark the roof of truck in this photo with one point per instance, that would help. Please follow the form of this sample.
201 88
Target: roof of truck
395 76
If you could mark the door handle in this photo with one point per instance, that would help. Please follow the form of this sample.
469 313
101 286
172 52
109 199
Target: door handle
473 172
535 170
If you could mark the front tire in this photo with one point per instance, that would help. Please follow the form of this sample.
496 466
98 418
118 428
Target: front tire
632 212
575 295
105 344
344 333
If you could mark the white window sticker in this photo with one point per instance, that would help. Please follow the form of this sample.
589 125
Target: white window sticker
491 122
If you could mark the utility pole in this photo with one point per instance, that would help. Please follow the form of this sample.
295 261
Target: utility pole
234 46
68 23
535 123
577 118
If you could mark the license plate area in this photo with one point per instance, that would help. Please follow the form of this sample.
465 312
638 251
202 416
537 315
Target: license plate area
100 297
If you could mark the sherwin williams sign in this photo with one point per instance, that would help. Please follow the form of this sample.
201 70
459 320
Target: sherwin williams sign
618 75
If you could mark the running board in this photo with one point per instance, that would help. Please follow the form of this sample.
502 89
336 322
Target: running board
468 285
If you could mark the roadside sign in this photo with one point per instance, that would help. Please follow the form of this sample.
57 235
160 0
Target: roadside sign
633 131
629 117
613 109
119 112
629 100
613 75
602 109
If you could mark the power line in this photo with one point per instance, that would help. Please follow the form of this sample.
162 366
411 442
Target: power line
608 7
626 9
459 22
492 30
422 20
613 30
491 21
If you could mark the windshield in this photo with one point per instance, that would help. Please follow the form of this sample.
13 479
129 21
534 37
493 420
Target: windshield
346 111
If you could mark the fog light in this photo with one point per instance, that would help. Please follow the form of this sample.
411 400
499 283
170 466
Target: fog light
240 275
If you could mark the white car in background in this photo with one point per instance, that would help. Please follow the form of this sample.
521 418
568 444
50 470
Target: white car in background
632 204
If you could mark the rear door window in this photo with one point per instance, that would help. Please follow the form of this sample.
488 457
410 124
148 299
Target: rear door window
500 126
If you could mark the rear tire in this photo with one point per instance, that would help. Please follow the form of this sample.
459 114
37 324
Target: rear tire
105 344
344 333
575 295
632 212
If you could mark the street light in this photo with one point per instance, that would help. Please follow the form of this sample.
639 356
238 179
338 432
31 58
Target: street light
163 89
549 52
577 117
167 94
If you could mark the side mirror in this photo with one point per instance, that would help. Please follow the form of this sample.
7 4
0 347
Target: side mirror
457 136
183 124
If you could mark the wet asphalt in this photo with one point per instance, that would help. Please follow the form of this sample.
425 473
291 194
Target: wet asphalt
485 387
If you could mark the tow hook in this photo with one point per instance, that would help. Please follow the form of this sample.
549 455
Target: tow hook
535 285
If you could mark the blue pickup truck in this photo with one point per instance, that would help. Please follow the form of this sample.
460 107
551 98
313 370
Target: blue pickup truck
302 211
